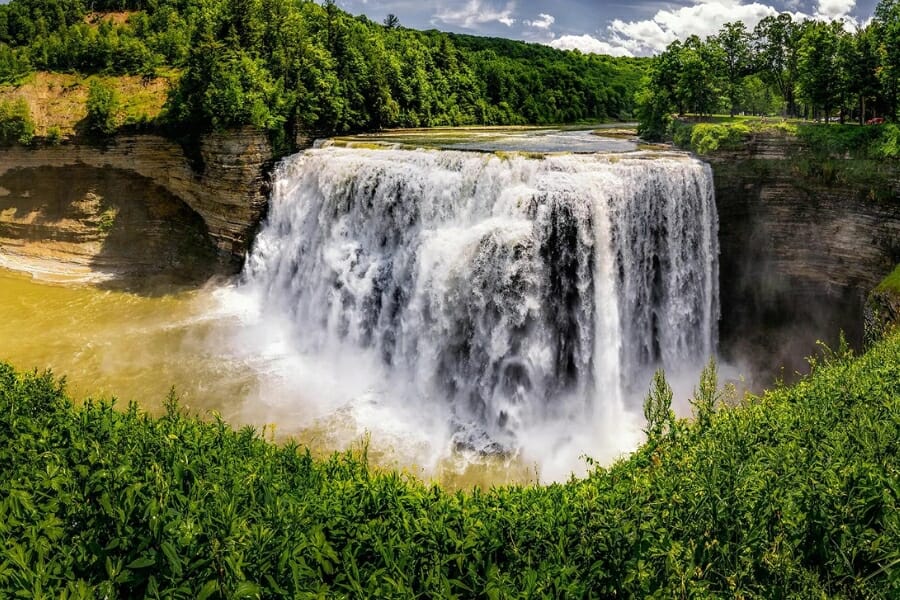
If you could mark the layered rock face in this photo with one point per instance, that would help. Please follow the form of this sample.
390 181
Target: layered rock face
85 222
225 187
802 245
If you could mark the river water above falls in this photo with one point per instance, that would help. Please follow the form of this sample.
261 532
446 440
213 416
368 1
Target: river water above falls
461 308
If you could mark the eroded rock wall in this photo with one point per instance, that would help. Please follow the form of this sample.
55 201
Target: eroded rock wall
803 242
224 184
80 221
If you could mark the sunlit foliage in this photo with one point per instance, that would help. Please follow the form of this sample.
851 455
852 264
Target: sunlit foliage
794 494
797 69
296 67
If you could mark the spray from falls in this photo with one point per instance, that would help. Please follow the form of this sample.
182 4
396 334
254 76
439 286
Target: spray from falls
524 300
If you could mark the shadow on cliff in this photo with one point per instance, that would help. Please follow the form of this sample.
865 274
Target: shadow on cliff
798 257
110 221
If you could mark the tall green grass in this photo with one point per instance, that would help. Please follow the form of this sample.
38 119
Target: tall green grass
793 494
891 283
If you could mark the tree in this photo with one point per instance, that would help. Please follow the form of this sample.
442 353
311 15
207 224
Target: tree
863 69
102 106
391 21
734 41
775 44
698 83
659 95
300 67
819 75
759 98
887 31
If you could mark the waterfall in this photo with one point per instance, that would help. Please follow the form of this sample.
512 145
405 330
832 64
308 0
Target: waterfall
507 291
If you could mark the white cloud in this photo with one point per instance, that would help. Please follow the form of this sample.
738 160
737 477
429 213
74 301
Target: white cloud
588 45
476 12
544 21
705 18
834 9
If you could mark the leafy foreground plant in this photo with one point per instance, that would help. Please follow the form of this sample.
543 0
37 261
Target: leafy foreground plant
794 494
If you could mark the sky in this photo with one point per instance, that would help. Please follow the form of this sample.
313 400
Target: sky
617 27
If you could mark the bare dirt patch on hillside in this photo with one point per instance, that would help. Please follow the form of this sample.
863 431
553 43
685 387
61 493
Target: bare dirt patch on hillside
115 17
59 99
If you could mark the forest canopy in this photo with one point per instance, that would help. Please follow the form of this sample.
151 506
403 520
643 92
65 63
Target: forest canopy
296 66
803 69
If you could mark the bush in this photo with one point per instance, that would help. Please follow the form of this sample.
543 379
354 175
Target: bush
704 138
54 136
837 141
888 145
16 126
708 137
654 116
792 495
13 64
102 108
680 133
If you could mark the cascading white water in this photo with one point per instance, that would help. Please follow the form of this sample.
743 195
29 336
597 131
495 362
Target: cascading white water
513 295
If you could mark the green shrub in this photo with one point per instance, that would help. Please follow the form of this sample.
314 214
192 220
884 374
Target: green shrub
16 126
888 145
107 220
838 141
13 64
654 116
658 412
786 127
705 138
891 283
680 133
709 137
792 495
54 136
102 108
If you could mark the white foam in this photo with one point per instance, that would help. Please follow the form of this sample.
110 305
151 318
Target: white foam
442 298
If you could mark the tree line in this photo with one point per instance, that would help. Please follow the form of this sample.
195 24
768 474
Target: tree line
293 66
802 69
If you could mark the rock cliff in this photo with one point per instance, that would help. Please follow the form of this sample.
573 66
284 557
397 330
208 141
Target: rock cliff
803 239
224 184
84 222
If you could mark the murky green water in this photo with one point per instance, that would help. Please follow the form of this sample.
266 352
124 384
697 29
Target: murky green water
117 343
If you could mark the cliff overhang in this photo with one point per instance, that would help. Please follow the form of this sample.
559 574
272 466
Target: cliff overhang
224 181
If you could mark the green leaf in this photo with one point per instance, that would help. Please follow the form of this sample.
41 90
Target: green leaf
172 557
141 563
208 589
246 589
